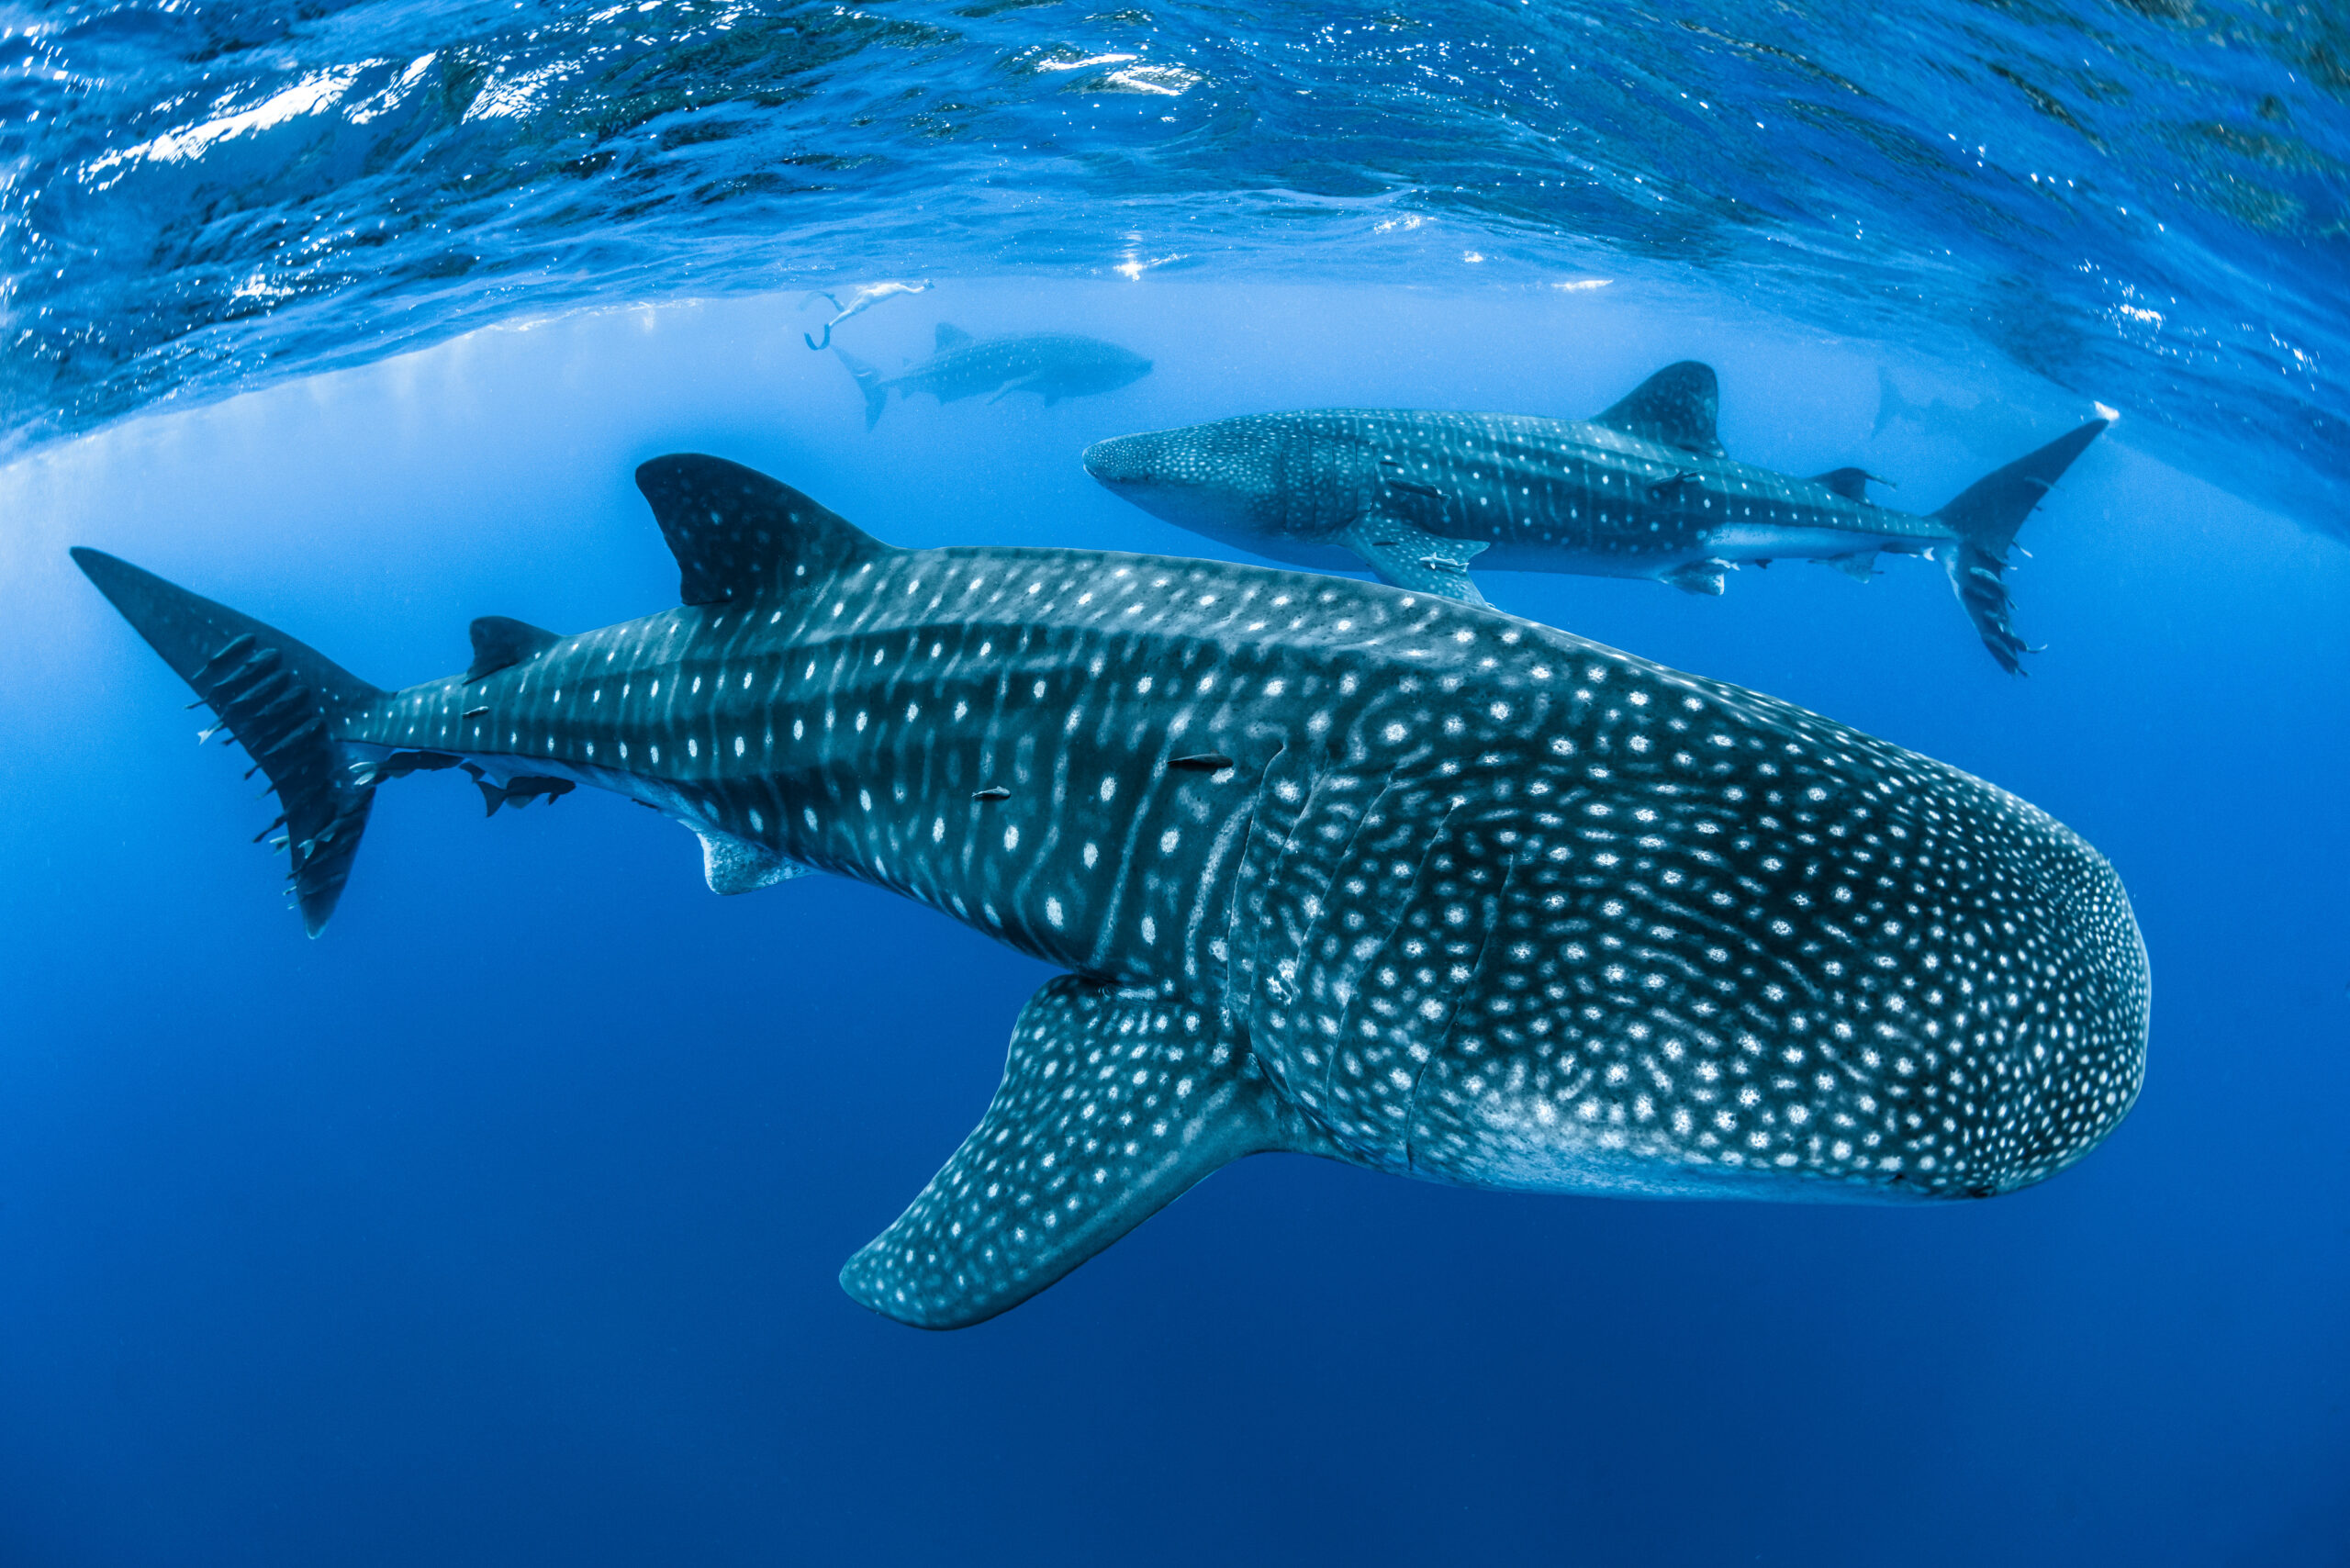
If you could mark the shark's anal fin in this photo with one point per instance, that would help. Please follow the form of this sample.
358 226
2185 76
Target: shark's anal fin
732 865
1404 554
1112 1104
501 643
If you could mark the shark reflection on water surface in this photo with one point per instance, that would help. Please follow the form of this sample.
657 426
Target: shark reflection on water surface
1334 867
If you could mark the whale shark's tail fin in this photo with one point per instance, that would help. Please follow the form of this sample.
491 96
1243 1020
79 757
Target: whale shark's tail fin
286 702
1985 517
1890 404
1112 1104
868 381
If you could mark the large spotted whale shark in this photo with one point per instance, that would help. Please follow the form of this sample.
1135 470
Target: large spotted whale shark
1334 867
1641 490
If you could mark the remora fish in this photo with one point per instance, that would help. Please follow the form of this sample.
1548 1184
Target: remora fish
1642 491
1052 366
1335 868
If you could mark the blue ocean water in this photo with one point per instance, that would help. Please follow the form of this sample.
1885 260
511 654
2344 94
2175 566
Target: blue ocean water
499 1225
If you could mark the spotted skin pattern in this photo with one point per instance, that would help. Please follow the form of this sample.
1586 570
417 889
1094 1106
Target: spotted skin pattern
1433 889
1643 491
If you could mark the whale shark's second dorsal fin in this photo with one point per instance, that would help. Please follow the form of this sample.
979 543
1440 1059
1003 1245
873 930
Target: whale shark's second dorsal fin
948 336
738 534
501 643
1676 407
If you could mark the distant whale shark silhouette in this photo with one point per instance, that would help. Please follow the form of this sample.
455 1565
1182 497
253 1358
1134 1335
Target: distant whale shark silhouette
1051 365
1335 869
1643 490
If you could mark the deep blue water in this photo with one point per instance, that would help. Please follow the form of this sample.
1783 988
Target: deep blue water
499 1225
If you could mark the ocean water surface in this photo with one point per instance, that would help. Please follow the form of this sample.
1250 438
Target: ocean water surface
501 1224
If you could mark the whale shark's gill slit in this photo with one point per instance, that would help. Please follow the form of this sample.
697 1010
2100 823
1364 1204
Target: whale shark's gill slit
1235 826
1394 921
1495 903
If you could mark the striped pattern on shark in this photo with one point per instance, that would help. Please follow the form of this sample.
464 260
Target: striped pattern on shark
1643 490
1334 867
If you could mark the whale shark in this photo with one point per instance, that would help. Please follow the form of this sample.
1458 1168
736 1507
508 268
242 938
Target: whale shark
1642 490
1051 365
1329 868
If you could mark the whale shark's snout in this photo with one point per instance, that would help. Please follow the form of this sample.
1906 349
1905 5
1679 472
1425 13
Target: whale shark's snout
1126 460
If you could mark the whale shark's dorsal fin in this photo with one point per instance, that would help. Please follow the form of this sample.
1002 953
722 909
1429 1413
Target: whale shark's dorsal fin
738 534
1675 407
500 642
948 337
1041 1184
1852 483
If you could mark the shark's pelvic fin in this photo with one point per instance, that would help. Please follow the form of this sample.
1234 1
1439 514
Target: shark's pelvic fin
948 337
740 536
1700 576
1020 384
1113 1104
501 643
732 865
1676 407
282 700
1405 556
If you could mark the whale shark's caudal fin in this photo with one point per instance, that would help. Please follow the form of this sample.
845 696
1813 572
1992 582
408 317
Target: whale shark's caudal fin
869 382
1112 1104
285 703
1890 404
1986 516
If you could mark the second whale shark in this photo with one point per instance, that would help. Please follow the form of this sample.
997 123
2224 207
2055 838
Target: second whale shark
1052 366
1642 490
1332 867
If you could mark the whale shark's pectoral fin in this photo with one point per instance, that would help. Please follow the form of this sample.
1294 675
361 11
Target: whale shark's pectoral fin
1113 1104
1709 576
1405 556
732 865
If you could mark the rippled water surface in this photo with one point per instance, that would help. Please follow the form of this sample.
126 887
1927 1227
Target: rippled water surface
2141 202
